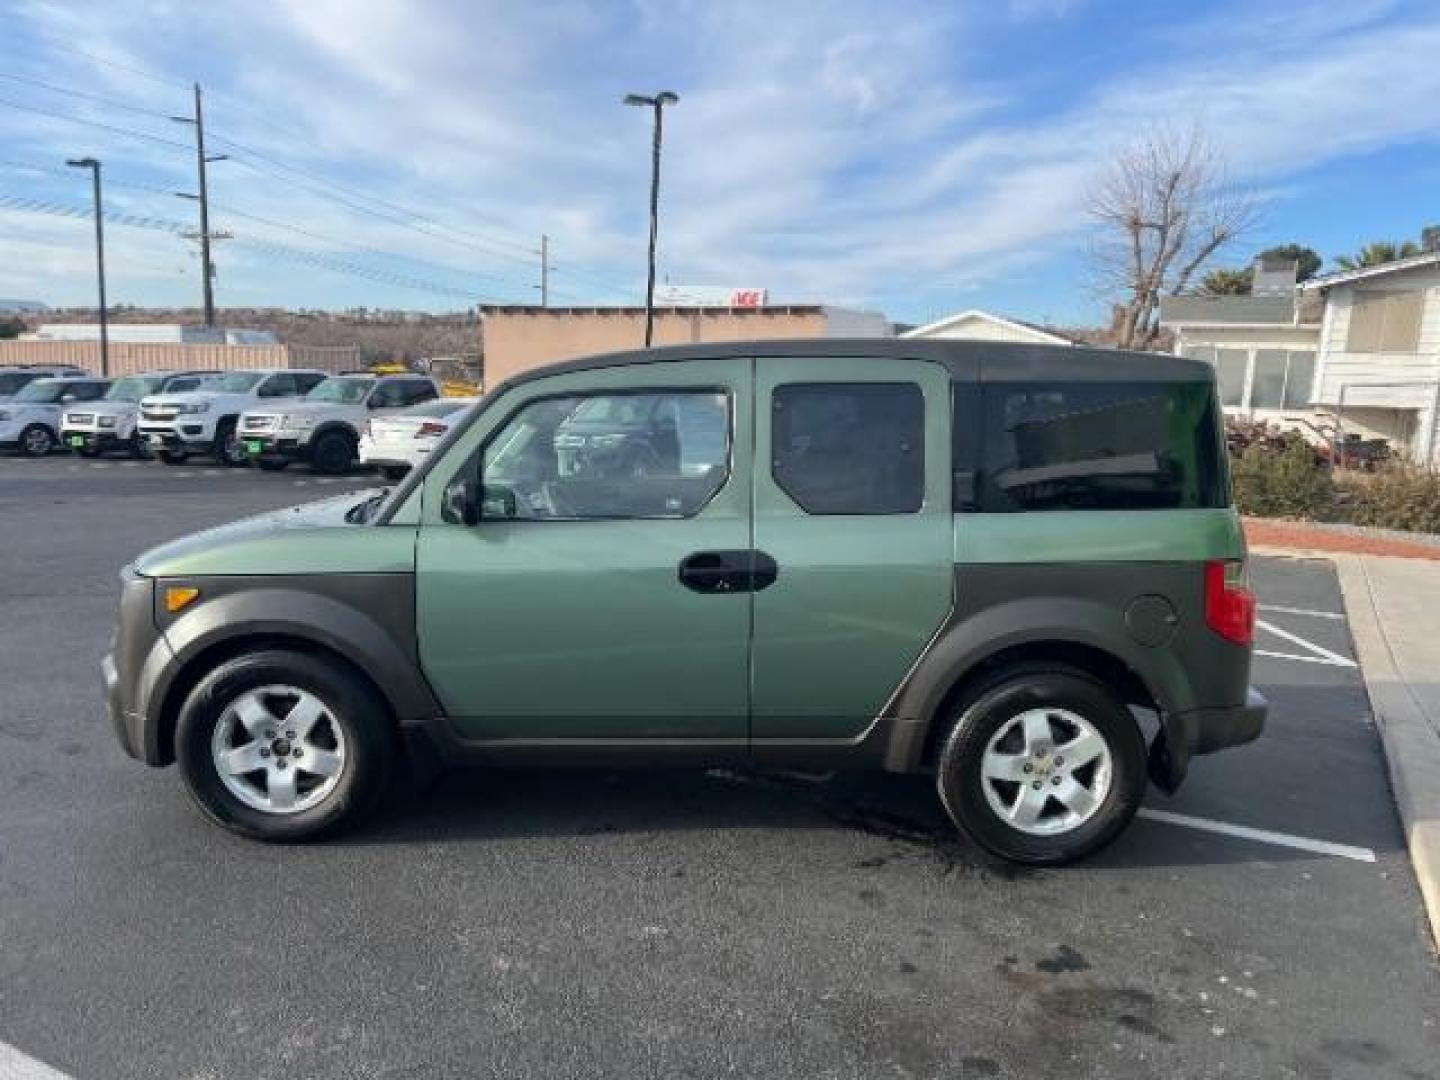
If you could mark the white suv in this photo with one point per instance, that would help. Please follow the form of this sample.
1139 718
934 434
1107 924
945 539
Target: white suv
324 428
206 421
113 422
30 421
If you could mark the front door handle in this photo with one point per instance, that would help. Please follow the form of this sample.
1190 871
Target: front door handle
726 572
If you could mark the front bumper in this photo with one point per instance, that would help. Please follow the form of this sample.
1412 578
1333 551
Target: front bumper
275 447
138 653
92 440
191 438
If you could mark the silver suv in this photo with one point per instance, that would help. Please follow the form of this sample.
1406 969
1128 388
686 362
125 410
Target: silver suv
113 422
324 427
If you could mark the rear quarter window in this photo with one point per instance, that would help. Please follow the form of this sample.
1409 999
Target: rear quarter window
1101 446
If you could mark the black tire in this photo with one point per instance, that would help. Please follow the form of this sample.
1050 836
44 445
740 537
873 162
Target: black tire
229 450
333 453
37 440
981 716
88 451
350 702
271 464
172 457
138 448
394 473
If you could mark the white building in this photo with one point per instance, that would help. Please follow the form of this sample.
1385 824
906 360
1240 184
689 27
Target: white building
154 334
976 325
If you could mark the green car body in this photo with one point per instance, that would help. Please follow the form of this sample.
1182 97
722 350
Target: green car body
739 621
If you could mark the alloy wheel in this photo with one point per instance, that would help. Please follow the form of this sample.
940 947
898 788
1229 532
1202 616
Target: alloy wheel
1046 771
279 749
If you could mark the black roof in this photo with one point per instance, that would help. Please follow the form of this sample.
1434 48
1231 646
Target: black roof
967 361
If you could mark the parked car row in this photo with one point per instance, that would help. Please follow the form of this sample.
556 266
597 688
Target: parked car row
270 418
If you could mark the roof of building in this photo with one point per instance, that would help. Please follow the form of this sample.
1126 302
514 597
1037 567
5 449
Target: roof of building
639 309
1227 310
1395 266
930 329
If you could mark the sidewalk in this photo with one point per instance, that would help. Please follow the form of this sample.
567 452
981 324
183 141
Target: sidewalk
1394 611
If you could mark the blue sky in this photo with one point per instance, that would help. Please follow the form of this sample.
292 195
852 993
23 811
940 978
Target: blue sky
913 157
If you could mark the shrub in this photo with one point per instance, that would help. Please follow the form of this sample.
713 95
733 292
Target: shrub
1398 497
1283 478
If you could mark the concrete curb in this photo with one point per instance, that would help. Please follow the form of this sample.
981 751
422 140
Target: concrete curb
1412 750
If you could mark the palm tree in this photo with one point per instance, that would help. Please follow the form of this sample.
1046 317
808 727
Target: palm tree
1377 252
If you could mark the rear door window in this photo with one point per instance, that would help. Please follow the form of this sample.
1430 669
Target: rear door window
850 448
1101 446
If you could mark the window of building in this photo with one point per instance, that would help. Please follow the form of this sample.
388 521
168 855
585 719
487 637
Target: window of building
613 456
1299 379
850 448
1384 321
1101 446
1230 365
1267 384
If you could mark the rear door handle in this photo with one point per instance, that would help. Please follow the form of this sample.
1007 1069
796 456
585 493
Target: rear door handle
726 572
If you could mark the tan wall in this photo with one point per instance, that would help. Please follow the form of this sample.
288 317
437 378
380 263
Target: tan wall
517 341
128 358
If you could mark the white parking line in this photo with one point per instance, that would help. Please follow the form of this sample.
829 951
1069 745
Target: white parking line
1302 659
1302 611
1263 836
17 1066
1321 655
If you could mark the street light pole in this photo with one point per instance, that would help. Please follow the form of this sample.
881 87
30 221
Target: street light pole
658 103
94 166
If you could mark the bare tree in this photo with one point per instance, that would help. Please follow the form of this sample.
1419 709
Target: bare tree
1163 208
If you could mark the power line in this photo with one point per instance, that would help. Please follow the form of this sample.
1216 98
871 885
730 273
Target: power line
129 132
102 99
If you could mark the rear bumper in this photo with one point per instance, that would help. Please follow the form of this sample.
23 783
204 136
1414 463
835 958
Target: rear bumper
1217 729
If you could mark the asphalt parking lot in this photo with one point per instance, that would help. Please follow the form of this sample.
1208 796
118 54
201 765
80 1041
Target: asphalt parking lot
555 924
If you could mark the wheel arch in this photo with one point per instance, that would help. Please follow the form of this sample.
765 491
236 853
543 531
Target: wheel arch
1070 633
310 623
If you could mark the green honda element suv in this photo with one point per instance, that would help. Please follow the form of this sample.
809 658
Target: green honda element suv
1012 568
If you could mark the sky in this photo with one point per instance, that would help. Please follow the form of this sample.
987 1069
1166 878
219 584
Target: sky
916 158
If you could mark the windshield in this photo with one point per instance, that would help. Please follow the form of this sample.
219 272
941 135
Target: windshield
44 390
340 389
236 382
133 389
14 380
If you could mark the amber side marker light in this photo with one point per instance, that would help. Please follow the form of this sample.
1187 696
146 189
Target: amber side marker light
180 596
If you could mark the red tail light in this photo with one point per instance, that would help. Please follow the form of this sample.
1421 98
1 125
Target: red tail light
430 428
1229 603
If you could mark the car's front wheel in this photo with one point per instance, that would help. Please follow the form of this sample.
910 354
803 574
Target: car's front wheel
229 447
281 745
37 441
333 453
1043 766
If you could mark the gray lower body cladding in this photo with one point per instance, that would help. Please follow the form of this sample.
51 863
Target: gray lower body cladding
366 619
1143 621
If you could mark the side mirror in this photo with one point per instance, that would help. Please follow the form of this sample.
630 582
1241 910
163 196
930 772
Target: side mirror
461 504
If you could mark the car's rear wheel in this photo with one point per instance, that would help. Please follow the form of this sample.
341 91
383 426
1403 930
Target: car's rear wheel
1043 765
37 441
172 457
333 453
280 745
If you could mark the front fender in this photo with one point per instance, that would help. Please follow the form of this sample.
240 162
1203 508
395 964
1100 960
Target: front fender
366 618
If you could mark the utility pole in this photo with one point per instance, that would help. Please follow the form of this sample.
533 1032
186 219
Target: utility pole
544 270
94 166
207 267
658 103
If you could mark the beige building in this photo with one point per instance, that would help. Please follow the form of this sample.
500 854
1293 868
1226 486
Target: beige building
519 338
129 357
